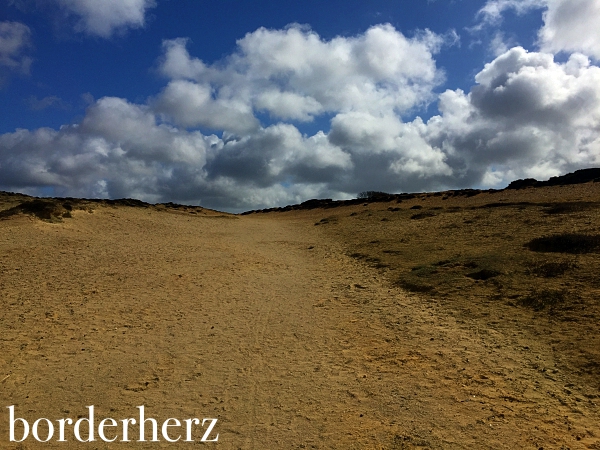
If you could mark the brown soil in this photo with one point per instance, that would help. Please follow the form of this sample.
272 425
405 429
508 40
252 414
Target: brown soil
360 327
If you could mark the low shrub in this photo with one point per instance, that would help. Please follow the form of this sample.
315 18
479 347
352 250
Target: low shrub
573 243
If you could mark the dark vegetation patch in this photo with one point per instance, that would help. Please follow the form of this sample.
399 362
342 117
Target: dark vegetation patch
46 210
544 298
372 195
137 203
325 220
453 263
422 215
55 209
450 226
424 271
366 197
483 274
505 204
470 192
416 207
570 207
573 243
415 287
374 261
445 263
464 193
327 203
551 269
577 177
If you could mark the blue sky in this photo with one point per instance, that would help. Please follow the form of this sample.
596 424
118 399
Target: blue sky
238 105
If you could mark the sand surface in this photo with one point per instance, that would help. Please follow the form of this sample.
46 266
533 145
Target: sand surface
266 324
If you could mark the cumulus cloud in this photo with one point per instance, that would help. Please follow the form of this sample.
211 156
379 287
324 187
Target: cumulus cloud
292 74
203 138
527 116
103 18
572 26
192 104
15 40
117 150
121 150
569 25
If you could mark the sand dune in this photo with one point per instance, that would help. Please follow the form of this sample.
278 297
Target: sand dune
271 325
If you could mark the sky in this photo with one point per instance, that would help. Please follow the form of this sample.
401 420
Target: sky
239 105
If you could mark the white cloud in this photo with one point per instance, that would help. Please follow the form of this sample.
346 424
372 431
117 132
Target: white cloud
294 74
526 116
569 25
288 105
572 26
191 104
105 17
118 145
499 44
120 150
279 154
492 12
15 39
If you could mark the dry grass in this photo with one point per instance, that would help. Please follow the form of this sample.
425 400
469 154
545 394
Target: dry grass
508 253
483 245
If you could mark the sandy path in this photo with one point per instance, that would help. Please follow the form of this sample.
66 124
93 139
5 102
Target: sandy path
264 324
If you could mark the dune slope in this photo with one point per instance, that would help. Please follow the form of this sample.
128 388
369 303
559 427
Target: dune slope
266 323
